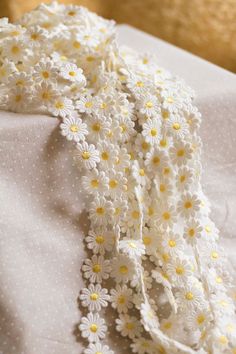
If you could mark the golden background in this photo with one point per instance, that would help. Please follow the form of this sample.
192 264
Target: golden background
204 27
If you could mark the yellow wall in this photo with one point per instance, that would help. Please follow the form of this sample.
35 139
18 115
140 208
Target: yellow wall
204 27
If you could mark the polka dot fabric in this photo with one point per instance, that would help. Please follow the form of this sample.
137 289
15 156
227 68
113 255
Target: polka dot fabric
43 224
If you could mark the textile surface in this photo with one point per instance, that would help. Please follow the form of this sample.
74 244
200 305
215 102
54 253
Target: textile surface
42 217
204 27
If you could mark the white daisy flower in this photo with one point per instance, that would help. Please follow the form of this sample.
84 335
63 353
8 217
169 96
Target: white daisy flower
138 85
177 126
93 327
62 107
122 162
149 317
189 296
142 147
132 217
95 182
7 68
166 215
172 243
142 346
122 269
120 206
148 105
98 127
212 254
100 210
104 104
95 348
108 154
121 298
152 131
94 297
36 35
156 159
100 240
150 240
87 37
128 326
192 231
19 79
171 100
181 153
199 318
85 104
14 49
96 269
73 129
179 270
126 127
72 73
164 188
87 155
44 94
140 174
133 248
45 70
116 184
189 205
184 178
18 99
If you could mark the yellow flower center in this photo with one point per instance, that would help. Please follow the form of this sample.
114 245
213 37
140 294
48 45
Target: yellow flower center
15 49
95 183
149 104
141 172
135 214
72 73
214 255
132 245
85 155
45 74
163 143
167 325
96 127
182 178
76 45
191 232
121 299
139 84
100 210
113 183
189 296
103 105
93 328
156 160
74 128
129 326
105 156
88 104
59 105
180 153
179 270
200 319
172 243
162 188
145 146
99 239
123 269
96 268
170 100
223 340
166 215
94 296
188 205
176 126
147 240
153 132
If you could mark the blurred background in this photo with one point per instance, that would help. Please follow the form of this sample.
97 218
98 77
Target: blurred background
206 28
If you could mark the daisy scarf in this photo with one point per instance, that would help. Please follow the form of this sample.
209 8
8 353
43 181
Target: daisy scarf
152 248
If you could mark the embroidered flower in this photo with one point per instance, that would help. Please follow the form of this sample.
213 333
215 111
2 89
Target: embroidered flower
100 240
95 348
96 269
121 298
122 269
93 327
87 155
129 326
72 73
152 131
94 297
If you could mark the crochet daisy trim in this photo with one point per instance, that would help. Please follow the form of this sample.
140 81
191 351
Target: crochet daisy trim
137 146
